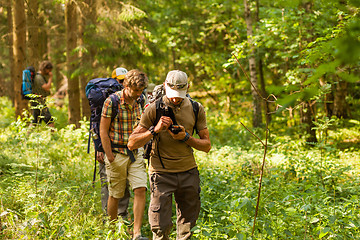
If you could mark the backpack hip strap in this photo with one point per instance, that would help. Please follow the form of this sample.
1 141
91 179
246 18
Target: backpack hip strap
129 153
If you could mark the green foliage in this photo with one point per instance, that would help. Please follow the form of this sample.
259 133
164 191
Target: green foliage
227 130
307 49
46 184
7 112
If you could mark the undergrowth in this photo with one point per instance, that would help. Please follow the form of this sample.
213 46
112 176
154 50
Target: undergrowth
311 192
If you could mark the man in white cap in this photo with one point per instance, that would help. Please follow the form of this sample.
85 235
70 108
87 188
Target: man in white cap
172 166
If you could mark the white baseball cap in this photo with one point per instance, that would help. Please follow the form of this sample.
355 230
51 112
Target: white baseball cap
119 73
176 84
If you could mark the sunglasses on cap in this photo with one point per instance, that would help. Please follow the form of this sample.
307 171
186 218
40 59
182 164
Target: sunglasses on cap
177 86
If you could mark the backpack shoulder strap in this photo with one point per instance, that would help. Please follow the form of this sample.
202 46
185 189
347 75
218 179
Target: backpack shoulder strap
40 75
158 102
195 106
159 110
141 100
115 106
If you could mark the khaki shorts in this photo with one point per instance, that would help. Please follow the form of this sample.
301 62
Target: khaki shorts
121 169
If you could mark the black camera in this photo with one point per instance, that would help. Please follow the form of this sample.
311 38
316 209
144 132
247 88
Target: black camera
175 129
167 111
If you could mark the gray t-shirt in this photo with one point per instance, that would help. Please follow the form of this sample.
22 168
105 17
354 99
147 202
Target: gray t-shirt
39 81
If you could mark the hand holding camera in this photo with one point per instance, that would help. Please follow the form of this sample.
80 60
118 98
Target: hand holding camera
177 132
175 129
163 124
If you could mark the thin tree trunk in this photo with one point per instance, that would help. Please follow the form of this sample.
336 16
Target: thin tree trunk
10 86
56 52
328 98
94 5
43 39
307 118
83 80
257 118
263 91
261 71
340 104
71 59
19 49
307 112
33 33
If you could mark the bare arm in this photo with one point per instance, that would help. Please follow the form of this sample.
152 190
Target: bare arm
140 136
202 144
47 86
105 139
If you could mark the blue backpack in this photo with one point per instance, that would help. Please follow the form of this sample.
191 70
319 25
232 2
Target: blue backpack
27 82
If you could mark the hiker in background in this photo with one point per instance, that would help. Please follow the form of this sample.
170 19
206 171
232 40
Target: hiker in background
172 168
119 75
121 163
41 87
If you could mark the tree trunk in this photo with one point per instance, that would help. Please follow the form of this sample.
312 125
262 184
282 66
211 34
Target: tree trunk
94 5
83 80
33 34
257 118
307 119
261 71
19 49
306 36
340 104
328 98
263 92
71 59
43 39
9 87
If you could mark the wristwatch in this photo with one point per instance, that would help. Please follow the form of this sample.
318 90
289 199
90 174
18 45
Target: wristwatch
151 129
187 136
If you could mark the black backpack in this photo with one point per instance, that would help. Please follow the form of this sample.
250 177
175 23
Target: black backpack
157 94
97 91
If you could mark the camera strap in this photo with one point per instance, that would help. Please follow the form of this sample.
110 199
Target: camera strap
163 110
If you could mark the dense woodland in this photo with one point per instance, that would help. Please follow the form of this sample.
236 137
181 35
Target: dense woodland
279 81
305 53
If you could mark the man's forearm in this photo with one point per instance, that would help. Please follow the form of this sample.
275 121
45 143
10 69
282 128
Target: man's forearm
106 144
105 139
139 138
202 144
199 144
47 86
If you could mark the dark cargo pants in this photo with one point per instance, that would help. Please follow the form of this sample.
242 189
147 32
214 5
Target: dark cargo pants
123 202
185 187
